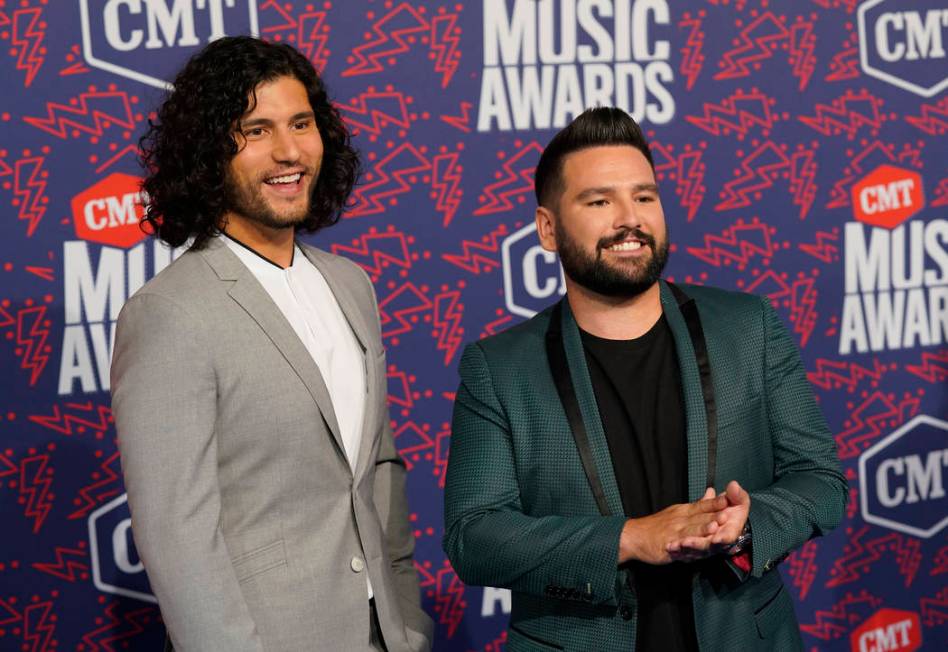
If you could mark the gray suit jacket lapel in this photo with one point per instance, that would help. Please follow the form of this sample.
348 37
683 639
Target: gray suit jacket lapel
251 296
354 316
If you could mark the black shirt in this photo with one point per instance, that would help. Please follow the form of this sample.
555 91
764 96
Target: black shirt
638 390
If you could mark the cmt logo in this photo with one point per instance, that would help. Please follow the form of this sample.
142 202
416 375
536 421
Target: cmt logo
904 43
888 196
116 567
124 36
888 630
902 479
533 278
110 211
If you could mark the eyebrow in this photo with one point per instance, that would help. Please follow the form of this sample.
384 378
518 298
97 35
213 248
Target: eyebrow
606 190
266 122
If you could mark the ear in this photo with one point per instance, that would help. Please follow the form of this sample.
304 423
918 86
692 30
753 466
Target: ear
546 228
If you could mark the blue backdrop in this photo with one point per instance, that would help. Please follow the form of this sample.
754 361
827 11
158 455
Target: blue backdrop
801 152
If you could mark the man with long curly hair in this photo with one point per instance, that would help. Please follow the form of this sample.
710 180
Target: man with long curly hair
248 378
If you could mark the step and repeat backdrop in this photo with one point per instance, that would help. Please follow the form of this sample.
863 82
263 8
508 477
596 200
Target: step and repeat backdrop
802 155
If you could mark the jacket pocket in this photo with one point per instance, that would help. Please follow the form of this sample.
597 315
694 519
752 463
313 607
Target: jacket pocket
520 640
773 613
259 560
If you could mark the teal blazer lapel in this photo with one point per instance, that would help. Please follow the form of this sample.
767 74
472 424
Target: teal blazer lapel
563 338
697 392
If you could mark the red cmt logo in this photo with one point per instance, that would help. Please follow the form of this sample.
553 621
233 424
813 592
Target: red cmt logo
888 196
888 630
110 211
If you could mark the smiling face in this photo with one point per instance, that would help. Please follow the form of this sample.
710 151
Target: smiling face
607 226
270 179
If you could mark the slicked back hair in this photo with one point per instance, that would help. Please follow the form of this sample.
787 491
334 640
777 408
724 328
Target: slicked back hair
188 147
595 127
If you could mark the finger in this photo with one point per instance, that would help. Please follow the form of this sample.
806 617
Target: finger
736 494
709 493
694 545
711 504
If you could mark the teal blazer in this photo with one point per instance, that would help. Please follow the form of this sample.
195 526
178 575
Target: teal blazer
521 511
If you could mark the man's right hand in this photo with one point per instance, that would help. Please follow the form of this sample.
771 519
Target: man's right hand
646 539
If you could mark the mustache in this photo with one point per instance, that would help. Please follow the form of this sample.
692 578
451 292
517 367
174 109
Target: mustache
624 235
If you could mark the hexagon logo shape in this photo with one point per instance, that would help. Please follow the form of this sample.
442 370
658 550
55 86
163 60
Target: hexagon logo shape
893 630
888 196
902 478
115 564
149 40
110 211
904 44
533 277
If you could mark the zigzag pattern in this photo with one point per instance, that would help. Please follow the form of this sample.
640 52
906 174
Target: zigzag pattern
394 34
446 184
35 481
822 249
29 188
762 167
445 39
90 113
847 114
32 333
737 244
858 558
833 374
687 169
935 610
79 417
835 623
801 565
448 312
940 562
39 627
515 179
27 38
116 630
390 177
374 251
462 121
692 56
860 431
411 440
472 258
758 40
934 118
312 37
941 194
411 301
801 294
106 484
737 114
871 156
382 108
933 367
64 567
802 46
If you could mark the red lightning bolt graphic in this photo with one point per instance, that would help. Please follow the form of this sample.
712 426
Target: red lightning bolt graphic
90 113
32 331
933 367
79 417
388 180
445 184
393 34
835 622
869 420
760 169
847 114
687 169
375 251
373 111
834 374
935 610
473 258
736 244
448 311
29 189
802 567
28 39
514 180
692 57
65 566
462 121
822 249
934 118
736 114
38 627
445 38
115 632
411 441
106 484
859 557
35 480
414 301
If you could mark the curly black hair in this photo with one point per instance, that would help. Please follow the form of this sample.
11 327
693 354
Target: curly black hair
188 147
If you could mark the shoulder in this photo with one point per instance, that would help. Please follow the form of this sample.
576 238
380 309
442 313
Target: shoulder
727 307
343 270
518 347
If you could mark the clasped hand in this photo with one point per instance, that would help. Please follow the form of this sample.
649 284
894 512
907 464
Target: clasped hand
689 531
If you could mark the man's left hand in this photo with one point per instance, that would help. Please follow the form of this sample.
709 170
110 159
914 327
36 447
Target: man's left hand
730 521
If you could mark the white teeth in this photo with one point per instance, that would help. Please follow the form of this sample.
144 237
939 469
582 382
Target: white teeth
626 246
290 178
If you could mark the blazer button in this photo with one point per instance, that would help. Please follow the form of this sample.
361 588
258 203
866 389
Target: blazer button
356 564
626 613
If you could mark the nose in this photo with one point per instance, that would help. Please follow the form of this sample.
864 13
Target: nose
626 215
285 148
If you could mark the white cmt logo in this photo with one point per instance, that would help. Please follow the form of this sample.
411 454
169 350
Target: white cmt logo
906 480
533 277
903 36
111 28
109 537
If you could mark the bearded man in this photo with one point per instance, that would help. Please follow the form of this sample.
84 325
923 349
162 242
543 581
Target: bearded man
248 378
635 461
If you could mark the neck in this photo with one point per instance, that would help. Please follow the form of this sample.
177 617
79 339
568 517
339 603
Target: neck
274 244
614 318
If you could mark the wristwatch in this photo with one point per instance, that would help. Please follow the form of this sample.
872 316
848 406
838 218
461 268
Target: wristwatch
743 541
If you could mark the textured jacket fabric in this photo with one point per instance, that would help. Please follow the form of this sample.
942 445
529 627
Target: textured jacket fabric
253 529
520 514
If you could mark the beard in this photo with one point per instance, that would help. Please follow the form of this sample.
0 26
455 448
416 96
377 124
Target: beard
247 200
597 275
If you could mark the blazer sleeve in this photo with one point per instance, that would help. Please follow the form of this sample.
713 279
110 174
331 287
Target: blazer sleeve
164 400
390 496
809 492
488 537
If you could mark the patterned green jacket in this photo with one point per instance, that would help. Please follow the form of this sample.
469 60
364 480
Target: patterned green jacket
520 512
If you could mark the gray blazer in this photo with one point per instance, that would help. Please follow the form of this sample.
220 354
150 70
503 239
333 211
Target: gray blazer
253 530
